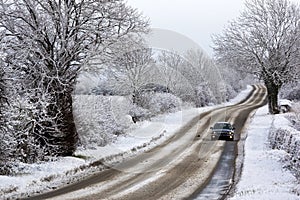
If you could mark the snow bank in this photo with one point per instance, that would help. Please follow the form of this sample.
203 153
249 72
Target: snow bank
37 177
285 102
263 175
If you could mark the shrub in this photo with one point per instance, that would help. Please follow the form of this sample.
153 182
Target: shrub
158 103
204 96
100 119
138 113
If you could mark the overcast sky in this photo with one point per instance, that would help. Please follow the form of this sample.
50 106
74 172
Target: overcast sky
196 19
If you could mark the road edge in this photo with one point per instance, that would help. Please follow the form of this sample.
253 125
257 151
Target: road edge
239 161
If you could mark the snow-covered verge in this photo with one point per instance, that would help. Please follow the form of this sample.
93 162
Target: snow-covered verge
45 176
264 175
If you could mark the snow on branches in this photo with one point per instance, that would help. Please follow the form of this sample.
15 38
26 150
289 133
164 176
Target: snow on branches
45 44
264 41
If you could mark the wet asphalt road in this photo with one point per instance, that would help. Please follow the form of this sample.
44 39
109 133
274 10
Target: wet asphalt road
222 180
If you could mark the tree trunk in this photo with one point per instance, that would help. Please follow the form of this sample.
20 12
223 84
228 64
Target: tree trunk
64 136
273 90
135 97
68 125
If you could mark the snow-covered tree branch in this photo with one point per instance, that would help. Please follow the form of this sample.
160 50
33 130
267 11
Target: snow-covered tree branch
131 69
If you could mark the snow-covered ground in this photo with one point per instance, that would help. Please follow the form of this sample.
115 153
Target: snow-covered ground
141 137
263 175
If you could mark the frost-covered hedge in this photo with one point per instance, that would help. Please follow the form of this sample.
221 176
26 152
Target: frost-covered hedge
99 119
287 138
289 141
158 103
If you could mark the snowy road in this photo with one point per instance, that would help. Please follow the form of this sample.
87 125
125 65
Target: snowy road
187 165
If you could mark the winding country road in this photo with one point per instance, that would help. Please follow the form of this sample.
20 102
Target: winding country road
187 166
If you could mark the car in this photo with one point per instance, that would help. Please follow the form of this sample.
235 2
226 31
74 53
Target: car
222 130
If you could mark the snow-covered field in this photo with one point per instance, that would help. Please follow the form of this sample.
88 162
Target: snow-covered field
264 175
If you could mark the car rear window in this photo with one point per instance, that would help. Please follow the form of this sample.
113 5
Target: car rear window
222 126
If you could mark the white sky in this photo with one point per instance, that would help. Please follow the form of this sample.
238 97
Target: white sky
196 19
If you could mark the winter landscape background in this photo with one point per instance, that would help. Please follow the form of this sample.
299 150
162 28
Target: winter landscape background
80 85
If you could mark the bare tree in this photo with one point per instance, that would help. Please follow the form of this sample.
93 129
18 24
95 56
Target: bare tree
207 74
46 43
168 69
131 70
264 41
190 76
